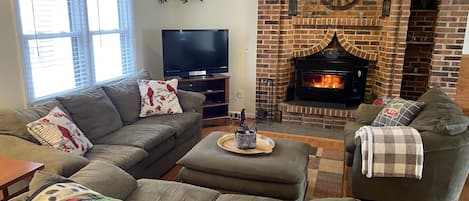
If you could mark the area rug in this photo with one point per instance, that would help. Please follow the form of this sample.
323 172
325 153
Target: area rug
325 173
326 163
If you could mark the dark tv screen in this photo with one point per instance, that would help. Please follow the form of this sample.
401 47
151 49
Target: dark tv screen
188 51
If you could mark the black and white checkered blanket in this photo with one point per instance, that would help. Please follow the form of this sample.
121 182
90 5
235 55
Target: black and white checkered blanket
394 151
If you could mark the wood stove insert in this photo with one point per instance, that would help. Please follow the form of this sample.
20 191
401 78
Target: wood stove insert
337 82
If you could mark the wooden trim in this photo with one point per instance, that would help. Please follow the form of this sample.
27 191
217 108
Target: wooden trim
212 92
214 105
198 79
227 90
462 88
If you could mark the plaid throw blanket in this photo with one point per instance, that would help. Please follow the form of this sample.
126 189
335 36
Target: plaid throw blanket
395 151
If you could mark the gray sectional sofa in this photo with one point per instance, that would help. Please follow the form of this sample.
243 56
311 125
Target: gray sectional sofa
125 146
108 116
99 176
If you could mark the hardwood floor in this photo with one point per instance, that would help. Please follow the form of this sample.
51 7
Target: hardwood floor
172 175
465 191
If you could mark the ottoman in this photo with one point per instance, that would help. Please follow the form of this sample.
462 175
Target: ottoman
281 174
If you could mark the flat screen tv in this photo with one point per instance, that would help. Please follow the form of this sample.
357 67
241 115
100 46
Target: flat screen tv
189 53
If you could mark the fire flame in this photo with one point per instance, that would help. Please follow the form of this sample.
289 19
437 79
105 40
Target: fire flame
327 81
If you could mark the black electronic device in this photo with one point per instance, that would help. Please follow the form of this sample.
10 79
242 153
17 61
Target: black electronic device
188 53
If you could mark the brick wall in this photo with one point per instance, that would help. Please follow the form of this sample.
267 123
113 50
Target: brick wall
418 53
416 70
380 40
448 42
268 49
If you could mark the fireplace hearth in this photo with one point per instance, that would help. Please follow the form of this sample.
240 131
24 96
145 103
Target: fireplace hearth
336 81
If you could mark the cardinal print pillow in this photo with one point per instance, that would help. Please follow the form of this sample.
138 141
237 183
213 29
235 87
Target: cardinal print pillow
158 97
57 130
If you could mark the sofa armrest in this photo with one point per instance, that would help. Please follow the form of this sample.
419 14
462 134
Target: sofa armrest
366 113
54 161
190 101
101 177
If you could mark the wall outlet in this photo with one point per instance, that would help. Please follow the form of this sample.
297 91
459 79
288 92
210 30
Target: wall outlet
234 115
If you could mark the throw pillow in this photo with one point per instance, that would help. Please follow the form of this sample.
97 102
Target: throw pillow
158 97
58 131
68 190
398 112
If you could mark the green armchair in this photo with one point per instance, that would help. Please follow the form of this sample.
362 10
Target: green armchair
443 128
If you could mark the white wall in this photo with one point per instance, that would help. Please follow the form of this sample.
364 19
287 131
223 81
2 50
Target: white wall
239 16
466 38
12 93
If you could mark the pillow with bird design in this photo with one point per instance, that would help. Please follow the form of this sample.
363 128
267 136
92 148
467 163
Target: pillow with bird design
158 97
57 130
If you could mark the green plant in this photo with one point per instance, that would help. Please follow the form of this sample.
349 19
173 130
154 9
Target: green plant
183 1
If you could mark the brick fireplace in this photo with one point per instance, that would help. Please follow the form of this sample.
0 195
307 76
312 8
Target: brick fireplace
330 78
361 31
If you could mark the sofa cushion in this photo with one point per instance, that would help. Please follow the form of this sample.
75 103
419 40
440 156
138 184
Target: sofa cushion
55 161
440 115
149 189
44 107
452 124
236 197
160 151
190 101
126 96
13 122
41 178
106 179
119 155
435 95
366 113
158 97
57 131
398 112
180 122
93 112
145 136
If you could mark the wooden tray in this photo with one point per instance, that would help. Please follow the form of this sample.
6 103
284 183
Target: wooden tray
263 144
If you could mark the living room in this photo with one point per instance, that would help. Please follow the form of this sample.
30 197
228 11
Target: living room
264 37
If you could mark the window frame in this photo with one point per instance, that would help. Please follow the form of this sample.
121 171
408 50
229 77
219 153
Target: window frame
80 31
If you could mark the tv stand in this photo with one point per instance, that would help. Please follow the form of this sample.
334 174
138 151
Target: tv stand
216 90
198 76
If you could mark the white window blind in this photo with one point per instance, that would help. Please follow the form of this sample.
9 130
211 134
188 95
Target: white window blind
74 44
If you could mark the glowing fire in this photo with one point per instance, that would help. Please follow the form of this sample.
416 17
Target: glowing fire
326 81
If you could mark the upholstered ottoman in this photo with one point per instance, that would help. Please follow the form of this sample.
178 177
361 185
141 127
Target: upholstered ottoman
281 174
